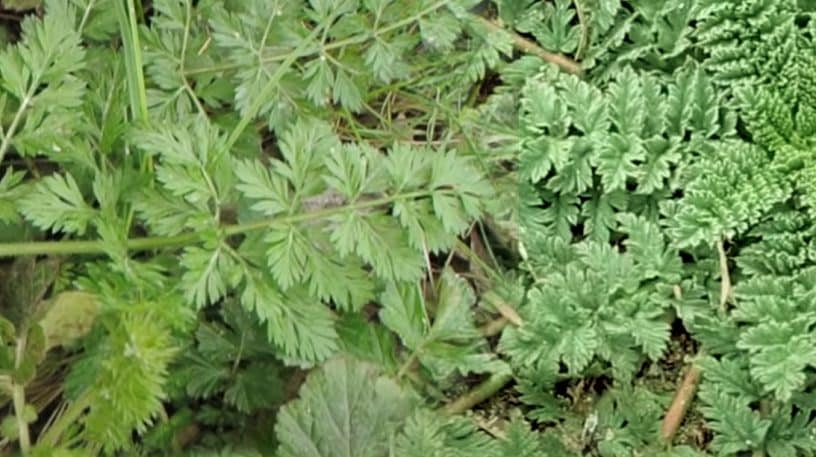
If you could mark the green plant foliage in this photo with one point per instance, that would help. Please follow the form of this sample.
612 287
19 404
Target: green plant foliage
345 409
443 343
598 303
231 190
703 153
395 228
232 360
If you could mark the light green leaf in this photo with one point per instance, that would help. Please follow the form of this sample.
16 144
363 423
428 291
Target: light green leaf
56 203
404 313
345 409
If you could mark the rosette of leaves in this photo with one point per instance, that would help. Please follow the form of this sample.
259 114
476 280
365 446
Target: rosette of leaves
588 153
594 303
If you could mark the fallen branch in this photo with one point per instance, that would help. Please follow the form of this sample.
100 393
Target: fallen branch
530 47
679 406
494 327
506 310
726 291
684 395
489 427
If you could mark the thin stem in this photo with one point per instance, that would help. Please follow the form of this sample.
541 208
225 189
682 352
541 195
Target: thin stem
237 362
479 394
320 214
298 52
408 364
18 116
505 310
530 47
473 257
429 388
91 247
266 92
726 292
53 434
133 60
148 243
85 15
183 59
583 42
18 398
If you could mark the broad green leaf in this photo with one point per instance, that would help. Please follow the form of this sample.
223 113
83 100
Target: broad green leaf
345 409
404 313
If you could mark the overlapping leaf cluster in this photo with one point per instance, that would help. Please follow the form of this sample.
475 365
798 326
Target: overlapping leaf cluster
707 150
262 205
235 183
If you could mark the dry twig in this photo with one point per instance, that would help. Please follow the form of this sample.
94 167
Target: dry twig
530 47
679 406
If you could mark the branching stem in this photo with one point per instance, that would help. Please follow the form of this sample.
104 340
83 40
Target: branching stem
304 51
184 239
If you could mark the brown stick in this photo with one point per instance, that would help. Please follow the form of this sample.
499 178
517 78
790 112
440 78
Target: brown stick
505 310
530 47
725 277
494 327
679 406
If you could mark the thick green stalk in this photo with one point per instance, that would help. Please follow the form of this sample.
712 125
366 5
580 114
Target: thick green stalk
479 394
18 399
148 243
128 25
52 434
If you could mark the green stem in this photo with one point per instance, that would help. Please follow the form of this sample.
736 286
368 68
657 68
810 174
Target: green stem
85 16
18 398
133 59
53 434
320 214
148 243
583 42
530 47
479 394
91 247
18 116
408 364
473 257
300 52
266 92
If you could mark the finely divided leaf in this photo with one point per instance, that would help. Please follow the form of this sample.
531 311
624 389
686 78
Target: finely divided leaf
56 203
